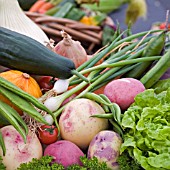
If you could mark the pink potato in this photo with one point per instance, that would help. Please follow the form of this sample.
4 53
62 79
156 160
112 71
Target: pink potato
105 146
77 126
64 152
123 91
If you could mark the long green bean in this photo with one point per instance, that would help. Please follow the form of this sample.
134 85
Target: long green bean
5 111
22 104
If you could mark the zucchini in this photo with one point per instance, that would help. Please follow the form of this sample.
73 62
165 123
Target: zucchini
23 53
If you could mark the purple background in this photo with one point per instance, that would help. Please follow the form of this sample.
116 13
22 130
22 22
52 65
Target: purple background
156 12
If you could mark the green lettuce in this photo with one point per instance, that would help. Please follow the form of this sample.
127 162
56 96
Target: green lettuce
161 85
146 126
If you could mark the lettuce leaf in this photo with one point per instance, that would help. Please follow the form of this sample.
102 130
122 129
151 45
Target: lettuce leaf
161 85
146 124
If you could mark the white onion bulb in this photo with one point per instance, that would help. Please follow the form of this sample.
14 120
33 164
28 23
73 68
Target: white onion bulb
61 86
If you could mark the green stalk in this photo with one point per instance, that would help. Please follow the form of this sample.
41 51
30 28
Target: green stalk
119 57
99 55
121 63
113 45
129 47
114 75
2 144
75 72
135 36
113 70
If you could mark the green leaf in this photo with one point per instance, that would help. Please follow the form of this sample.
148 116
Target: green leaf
146 126
161 85
160 161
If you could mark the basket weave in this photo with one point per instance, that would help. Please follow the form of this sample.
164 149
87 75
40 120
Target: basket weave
89 36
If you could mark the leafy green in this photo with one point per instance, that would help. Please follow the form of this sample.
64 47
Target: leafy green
44 163
2 166
147 127
41 164
161 85
127 163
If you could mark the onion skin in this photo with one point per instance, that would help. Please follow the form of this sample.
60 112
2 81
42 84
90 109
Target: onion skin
71 49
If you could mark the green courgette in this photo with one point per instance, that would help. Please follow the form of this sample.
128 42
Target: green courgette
23 53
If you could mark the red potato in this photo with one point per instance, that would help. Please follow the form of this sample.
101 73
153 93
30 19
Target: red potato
64 152
17 151
77 126
123 91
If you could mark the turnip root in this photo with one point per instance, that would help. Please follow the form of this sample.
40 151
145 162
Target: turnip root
64 152
77 126
123 91
17 151
105 147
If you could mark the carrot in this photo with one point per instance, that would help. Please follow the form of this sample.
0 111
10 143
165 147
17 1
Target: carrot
36 6
45 7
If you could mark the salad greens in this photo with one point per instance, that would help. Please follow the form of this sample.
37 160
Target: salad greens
146 127
162 85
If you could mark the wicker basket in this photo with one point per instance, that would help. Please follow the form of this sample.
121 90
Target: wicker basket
89 36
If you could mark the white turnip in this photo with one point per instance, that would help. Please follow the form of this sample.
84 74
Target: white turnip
76 124
17 151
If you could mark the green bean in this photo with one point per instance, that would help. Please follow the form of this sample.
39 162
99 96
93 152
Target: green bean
106 108
18 118
8 85
116 127
104 116
154 74
4 110
22 104
2 144
112 108
96 98
118 113
154 47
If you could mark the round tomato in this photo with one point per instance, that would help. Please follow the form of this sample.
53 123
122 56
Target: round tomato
48 134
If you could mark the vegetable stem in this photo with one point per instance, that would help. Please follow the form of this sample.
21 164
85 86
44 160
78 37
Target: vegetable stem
121 63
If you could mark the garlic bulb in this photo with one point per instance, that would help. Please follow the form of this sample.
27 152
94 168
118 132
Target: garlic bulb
13 17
